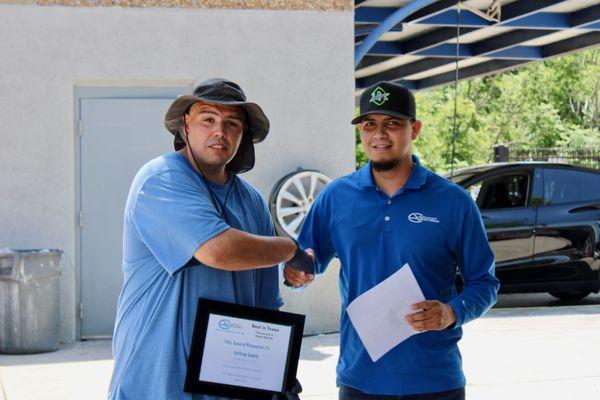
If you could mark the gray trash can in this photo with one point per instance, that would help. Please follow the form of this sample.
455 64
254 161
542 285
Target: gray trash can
29 300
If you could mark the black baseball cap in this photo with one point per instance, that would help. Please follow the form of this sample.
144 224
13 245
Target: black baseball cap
387 98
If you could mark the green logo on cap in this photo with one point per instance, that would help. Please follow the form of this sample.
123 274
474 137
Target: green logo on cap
379 96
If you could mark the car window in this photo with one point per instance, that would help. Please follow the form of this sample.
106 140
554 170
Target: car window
565 186
506 191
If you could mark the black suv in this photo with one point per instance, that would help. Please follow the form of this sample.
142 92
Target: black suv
543 224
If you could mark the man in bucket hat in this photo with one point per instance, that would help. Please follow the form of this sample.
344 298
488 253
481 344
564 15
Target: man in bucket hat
193 229
401 213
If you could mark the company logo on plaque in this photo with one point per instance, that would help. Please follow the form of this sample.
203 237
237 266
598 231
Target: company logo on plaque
227 325
224 324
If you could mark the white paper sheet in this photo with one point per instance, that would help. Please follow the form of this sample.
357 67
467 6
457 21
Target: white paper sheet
378 314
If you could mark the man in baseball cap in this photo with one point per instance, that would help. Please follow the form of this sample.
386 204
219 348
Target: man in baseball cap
194 229
394 213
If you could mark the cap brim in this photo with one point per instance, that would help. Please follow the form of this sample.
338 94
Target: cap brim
256 120
384 112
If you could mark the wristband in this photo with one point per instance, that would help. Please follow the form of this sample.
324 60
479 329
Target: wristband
301 261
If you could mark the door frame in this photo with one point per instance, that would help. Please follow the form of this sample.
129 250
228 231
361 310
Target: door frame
80 92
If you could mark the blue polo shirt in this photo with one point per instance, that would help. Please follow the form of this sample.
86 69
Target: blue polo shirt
433 225
169 214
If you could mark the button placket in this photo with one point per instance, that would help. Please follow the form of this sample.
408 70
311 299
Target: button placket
387 218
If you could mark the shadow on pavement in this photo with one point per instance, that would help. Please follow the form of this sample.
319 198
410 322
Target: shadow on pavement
542 304
318 347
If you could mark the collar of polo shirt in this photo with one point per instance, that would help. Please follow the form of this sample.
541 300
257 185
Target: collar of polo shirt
417 178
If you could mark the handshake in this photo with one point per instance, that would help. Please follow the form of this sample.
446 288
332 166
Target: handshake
300 269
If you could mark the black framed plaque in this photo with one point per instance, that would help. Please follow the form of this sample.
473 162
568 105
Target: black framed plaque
243 352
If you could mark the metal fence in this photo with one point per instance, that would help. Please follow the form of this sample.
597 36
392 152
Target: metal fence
577 156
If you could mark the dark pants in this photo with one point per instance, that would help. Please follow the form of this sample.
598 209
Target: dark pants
349 393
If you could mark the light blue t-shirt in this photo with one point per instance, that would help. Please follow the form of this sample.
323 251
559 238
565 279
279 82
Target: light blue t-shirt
169 214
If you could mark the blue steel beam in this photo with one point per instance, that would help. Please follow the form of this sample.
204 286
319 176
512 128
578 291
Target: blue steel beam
510 11
481 49
369 60
539 20
590 15
466 51
520 9
518 53
477 49
413 45
398 16
445 17
578 43
486 68
448 18
432 39
385 49
402 70
372 15
447 50
588 18
506 40
365 29
446 10
431 10
570 45
593 27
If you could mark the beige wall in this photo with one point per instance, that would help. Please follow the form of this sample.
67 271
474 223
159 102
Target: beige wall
297 64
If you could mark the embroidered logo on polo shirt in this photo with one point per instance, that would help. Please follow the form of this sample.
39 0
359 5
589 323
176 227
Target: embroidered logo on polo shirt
417 218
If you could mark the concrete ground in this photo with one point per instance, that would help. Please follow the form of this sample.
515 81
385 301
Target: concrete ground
527 347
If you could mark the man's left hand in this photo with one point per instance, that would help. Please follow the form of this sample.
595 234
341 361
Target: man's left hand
433 316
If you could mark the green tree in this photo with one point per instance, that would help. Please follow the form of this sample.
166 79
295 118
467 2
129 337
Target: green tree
554 103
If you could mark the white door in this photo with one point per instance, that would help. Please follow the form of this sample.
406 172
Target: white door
118 136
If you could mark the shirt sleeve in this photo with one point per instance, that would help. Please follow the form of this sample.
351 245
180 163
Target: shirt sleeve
173 216
315 233
476 264
270 296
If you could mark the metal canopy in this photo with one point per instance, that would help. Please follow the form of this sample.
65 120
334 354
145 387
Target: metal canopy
414 41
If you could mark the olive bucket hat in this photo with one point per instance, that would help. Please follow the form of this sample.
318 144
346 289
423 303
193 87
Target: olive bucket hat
221 92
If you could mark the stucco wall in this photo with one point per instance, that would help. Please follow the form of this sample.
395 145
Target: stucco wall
297 64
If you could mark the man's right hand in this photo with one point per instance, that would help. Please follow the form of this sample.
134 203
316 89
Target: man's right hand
296 278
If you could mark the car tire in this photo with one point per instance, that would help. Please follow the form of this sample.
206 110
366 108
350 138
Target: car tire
291 199
571 295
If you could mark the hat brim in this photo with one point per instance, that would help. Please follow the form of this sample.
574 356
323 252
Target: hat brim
358 119
256 120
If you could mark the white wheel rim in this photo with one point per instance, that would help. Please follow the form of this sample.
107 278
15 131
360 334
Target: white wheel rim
295 197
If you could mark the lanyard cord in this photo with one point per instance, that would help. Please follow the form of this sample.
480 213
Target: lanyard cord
215 200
